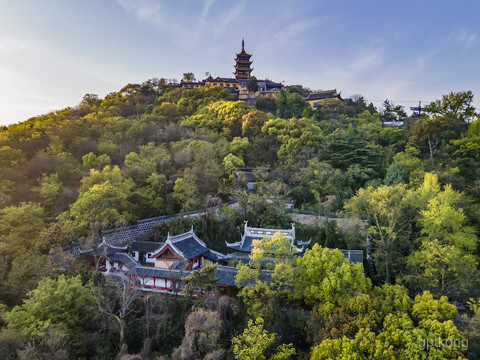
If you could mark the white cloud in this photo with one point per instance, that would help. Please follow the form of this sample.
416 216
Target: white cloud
226 20
146 10
463 36
466 37
367 62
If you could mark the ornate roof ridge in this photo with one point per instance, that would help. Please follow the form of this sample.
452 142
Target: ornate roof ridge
323 91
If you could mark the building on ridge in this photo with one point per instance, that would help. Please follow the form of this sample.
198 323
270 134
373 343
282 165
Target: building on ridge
316 97
244 86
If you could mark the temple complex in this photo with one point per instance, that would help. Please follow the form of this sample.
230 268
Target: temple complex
244 86
161 266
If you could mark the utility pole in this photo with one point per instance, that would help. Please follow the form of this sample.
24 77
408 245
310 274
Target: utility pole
419 108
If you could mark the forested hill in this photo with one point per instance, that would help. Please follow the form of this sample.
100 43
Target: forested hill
153 149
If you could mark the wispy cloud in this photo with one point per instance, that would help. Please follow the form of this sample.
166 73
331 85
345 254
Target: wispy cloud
145 10
463 37
226 20
466 37
185 26
366 62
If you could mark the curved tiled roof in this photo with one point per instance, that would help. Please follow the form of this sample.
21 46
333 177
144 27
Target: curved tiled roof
319 95
123 258
252 233
145 246
188 245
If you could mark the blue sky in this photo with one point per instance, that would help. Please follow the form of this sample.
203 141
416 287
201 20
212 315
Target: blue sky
52 52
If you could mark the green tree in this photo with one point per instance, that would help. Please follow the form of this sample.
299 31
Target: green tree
289 104
50 187
293 135
388 208
91 161
454 104
231 163
376 330
104 203
444 220
167 112
392 112
62 301
20 227
201 280
264 292
409 158
151 158
188 77
326 279
253 122
150 200
11 157
310 183
186 194
396 174
255 343
445 263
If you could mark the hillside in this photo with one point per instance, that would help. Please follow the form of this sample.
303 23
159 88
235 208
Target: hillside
155 149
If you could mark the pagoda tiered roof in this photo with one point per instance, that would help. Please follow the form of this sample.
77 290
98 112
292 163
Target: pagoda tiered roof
243 64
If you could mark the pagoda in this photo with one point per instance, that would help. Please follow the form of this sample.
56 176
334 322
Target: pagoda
243 64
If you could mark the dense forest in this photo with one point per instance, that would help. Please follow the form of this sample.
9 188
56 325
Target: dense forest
153 149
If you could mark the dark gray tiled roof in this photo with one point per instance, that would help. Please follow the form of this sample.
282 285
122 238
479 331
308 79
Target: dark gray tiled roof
244 258
221 79
226 275
190 248
214 255
145 246
104 249
246 246
322 95
354 256
159 272
188 245
125 259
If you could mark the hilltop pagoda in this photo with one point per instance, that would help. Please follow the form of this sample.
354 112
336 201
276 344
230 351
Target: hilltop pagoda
243 64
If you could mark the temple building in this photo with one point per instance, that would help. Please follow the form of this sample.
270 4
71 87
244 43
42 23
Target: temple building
252 233
244 86
316 97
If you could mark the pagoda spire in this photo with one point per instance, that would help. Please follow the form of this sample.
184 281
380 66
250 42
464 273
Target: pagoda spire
243 44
